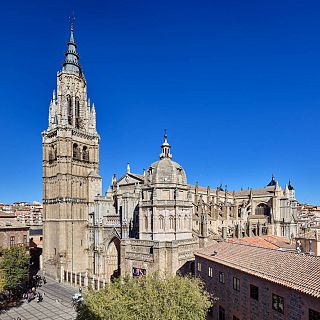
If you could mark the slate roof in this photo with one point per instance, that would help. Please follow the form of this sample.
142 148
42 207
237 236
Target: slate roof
136 175
133 175
258 191
297 271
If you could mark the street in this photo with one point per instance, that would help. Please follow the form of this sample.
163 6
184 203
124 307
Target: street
55 305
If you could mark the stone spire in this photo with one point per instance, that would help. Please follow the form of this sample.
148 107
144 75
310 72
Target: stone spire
114 180
92 119
71 62
165 147
273 182
290 186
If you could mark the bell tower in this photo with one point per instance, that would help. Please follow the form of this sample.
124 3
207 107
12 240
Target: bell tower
70 169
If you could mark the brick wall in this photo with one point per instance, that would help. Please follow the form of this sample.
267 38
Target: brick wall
18 234
239 304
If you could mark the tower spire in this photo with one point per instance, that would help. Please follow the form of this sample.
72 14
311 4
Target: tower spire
165 147
71 61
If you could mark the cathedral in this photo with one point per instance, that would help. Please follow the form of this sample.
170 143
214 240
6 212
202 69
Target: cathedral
146 222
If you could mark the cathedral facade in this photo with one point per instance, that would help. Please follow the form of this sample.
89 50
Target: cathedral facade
144 222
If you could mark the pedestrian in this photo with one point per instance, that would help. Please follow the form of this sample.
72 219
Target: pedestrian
80 289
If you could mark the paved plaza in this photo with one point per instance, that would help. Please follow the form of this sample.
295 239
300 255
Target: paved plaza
55 305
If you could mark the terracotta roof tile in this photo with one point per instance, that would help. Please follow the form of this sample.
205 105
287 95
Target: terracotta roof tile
297 271
268 242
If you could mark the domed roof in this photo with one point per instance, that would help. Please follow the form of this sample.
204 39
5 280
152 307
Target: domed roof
166 170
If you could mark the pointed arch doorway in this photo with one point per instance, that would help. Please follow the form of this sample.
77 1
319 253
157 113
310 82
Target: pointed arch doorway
112 259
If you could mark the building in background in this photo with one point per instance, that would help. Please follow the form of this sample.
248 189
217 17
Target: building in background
29 213
249 282
309 242
26 221
12 232
308 217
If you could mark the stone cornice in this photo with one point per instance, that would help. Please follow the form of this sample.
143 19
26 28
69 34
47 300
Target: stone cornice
50 133
64 200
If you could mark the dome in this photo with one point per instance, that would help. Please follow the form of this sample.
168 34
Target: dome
166 171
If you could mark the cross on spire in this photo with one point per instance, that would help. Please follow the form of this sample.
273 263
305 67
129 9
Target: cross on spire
72 19
165 147
71 62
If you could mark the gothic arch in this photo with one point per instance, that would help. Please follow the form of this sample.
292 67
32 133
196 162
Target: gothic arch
171 222
76 151
77 113
69 109
112 258
85 153
161 222
179 222
146 223
185 223
52 153
262 209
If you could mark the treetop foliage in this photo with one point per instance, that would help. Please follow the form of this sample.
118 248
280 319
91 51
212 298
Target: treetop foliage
150 297
13 266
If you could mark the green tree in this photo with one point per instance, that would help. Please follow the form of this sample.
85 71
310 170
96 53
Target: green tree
2 281
14 265
149 298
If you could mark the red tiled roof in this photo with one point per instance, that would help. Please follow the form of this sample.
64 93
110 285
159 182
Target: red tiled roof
268 242
297 271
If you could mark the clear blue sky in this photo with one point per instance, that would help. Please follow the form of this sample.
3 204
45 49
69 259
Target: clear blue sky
236 84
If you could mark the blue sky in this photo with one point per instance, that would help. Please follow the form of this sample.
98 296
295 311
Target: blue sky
235 83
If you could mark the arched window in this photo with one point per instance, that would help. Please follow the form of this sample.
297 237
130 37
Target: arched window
161 223
51 153
179 223
146 222
85 154
69 109
262 209
171 222
77 113
185 223
76 152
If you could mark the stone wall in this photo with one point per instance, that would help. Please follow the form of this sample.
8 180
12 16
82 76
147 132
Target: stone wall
168 257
